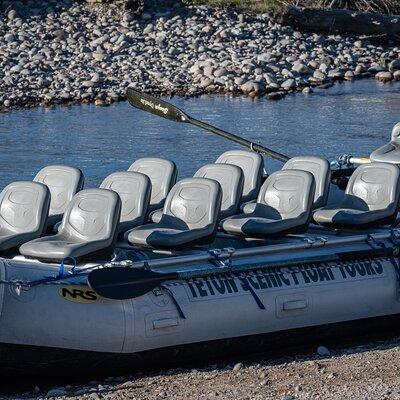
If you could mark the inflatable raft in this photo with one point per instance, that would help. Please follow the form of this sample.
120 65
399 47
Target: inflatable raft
150 269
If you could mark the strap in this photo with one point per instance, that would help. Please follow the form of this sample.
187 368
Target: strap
396 266
375 244
61 270
171 295
227 264
247 286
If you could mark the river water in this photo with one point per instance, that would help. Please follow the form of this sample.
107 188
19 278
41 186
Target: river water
348 118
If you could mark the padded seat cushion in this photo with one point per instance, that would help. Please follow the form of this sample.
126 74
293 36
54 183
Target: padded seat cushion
162 174
371 198
24 208
252 165
346 216
389 152
256 225
57 248
190 216
64 182
88 228
164 236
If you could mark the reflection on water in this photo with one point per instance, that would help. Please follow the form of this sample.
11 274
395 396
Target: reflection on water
349 118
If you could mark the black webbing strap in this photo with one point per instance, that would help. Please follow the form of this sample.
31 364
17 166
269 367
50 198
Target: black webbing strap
176 304
247 286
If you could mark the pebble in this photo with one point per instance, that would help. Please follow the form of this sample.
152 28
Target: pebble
170 49
275 95
237 367
301 68
349 75
288 84
57 392
101 103
394 65
384 76
323 351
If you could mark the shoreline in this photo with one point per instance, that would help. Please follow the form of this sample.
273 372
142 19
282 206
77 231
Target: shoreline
73 53
314 89
339 372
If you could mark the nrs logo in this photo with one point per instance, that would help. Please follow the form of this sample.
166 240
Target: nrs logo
79 294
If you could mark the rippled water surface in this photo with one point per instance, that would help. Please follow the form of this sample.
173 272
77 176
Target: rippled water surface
348 118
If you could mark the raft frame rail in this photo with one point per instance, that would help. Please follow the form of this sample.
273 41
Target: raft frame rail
230 253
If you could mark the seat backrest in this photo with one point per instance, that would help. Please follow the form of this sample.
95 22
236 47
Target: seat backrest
231 179
134 189
290 193
252 165
396 133
24 207
162 173
64 182
321 170
377 185
91 215
389 152
195 202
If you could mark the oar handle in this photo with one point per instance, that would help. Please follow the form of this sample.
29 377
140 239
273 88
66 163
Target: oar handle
244 142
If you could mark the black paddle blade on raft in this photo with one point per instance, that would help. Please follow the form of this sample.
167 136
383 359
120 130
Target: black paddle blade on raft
155 106
121 283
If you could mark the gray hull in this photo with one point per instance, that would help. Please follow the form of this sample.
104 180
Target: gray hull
47 365
68 323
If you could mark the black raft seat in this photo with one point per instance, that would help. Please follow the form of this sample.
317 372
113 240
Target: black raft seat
88 229
283 206
371 198
190 217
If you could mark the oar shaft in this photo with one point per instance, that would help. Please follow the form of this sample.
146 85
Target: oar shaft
244 142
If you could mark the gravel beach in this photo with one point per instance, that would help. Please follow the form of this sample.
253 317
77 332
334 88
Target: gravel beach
70 52
364 372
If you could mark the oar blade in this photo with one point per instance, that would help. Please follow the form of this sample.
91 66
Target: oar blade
155 106
121 283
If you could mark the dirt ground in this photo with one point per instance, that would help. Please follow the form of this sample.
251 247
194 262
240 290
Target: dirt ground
363 372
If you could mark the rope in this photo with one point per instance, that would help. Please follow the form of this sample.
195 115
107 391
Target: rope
62 278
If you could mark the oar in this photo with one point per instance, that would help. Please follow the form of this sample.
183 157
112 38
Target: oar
121 283
164 109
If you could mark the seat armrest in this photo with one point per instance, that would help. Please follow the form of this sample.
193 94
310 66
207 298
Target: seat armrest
56 227
155 216
248 207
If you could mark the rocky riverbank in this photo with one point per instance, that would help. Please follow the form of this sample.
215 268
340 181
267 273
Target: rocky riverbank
364 372
67 52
